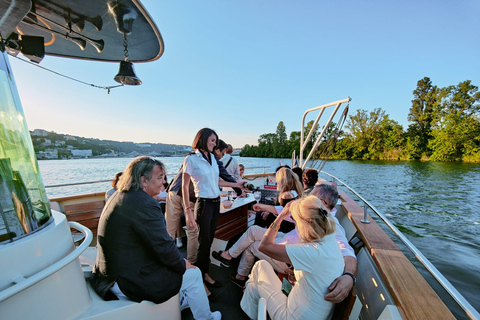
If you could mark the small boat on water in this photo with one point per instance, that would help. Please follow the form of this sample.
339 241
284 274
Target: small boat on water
45 266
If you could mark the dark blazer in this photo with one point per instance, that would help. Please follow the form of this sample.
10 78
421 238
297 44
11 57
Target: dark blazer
135 250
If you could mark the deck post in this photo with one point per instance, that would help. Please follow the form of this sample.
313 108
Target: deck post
365 219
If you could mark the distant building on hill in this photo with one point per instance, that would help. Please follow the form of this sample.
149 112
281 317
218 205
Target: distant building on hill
47 154
82 153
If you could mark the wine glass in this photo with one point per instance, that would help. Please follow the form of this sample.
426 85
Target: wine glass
257 195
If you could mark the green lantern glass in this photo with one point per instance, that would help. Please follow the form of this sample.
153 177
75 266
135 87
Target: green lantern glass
24 206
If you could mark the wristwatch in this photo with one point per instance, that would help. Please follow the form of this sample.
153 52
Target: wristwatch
350 275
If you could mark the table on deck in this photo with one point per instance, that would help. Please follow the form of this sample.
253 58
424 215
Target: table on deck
232 221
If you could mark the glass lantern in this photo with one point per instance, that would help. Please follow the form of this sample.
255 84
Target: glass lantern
24 206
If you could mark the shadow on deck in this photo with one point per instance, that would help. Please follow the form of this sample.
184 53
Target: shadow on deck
227 297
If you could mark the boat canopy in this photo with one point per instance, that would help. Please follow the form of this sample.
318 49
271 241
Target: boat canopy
87 29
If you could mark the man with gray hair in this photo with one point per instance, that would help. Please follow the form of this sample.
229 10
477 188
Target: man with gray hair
136 257
340 288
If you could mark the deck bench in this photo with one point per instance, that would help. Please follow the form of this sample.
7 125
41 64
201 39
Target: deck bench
86 214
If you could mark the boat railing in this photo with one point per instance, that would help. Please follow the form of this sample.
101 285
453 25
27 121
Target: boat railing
110 180
77 183
469 310
257 168
22 283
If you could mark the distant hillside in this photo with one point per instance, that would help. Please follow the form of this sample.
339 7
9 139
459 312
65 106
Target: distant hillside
52 145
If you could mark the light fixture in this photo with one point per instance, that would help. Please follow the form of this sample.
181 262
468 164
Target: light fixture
126 75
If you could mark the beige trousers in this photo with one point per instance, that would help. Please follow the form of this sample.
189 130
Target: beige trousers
173 215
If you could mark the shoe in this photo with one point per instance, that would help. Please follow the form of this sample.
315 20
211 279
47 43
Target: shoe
218 255
216 284
179 243
216 315
238 282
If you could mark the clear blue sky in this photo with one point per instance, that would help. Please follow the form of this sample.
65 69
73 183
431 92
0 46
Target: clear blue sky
240 67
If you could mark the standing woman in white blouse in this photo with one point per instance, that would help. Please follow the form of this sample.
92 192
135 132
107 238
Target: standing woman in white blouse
202 168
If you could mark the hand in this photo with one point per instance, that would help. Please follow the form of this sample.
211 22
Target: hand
189 265
243 195
258 207
265 215
286 211
339 289
189 218
240 185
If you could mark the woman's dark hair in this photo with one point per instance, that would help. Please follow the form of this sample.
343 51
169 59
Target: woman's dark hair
280 167
165 184
310 177
201 139
221 145
299 172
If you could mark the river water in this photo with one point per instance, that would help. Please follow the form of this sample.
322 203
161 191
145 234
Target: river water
436 205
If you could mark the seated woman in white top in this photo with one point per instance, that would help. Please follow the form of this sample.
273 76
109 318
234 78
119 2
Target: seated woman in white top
317 261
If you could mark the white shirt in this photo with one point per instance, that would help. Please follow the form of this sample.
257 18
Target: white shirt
204 175
232 168
316 265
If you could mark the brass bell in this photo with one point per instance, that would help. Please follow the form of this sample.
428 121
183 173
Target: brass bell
126 75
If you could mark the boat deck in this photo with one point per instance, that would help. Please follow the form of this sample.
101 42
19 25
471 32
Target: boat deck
227 297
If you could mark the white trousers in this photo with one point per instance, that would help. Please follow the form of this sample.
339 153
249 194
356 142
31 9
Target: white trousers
264 283
192 294
248 244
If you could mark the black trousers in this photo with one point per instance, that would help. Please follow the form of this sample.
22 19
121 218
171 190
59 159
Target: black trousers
208 212
285 226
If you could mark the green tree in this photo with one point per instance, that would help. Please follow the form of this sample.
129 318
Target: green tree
422 115
266 144
294 142
456 131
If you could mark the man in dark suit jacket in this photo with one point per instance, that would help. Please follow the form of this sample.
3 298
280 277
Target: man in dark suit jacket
135 251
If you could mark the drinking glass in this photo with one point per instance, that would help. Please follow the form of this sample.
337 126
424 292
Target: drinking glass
257 195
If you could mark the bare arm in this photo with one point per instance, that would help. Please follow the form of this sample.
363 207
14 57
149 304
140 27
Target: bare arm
186 200
223 183
266 207
340 288
268 246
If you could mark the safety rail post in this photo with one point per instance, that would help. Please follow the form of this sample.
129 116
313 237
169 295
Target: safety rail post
365 219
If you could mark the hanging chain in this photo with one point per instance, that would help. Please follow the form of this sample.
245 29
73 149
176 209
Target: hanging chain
125 46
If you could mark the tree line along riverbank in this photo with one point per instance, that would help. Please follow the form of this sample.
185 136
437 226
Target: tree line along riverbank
443 126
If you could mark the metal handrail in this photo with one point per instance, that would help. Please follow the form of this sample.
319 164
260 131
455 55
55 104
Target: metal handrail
257 168
110 180
77 183
304 141
470 311
39 276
